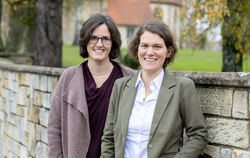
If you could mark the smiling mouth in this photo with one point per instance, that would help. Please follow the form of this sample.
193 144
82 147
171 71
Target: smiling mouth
98 51
149 59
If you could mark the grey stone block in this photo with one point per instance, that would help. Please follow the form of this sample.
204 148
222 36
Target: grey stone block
23 152
43 117
44 83
226 153
46 100
41 150
44 135
20 127
2 148
216 101
35 80
240 104
228 132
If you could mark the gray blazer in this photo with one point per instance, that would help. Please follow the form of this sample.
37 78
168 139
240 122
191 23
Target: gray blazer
68 125
177 107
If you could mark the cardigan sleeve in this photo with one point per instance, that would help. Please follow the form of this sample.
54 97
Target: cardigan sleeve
193 121
54 123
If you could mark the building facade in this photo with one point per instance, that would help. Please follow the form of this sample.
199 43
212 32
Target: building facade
128 15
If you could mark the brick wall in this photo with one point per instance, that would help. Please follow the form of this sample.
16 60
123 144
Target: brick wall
25 95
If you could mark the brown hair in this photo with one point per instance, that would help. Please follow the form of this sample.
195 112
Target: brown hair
159 28
93 22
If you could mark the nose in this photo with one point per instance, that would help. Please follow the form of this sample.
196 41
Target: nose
150 51
99 42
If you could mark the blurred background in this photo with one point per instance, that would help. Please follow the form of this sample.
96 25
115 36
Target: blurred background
212 36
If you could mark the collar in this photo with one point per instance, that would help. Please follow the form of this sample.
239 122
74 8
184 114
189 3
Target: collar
154 83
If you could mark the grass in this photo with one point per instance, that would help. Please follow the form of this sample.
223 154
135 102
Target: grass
191 60
186 60
71 55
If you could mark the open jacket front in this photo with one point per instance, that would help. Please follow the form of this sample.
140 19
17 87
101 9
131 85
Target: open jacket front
68 126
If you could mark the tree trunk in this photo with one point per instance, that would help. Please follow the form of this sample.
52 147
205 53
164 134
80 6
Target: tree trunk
48 39
78 22
29 37
232 57
15 36
1 42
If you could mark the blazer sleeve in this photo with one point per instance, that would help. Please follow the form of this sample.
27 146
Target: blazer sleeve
193 121
107 145
54 124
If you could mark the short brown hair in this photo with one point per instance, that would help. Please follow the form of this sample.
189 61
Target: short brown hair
93 22
159 28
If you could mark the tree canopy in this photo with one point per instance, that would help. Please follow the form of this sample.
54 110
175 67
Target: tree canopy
233 16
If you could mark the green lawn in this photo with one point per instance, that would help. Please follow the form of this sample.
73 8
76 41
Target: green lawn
71 55
193 60
186 60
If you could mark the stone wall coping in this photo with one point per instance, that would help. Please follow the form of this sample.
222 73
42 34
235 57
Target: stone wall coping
235 79
31 68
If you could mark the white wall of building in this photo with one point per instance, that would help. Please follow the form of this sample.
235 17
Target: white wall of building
171 17
88 8
123 32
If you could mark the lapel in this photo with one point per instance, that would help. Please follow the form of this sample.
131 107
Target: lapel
164 97
75 93
127 103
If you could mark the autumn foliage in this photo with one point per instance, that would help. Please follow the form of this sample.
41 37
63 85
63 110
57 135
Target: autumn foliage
232 16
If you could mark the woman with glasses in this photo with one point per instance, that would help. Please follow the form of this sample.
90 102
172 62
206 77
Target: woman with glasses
80 101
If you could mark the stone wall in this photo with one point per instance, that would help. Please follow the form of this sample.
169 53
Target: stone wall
25 95
225 101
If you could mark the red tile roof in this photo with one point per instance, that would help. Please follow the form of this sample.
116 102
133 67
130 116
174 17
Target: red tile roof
176 2
129 12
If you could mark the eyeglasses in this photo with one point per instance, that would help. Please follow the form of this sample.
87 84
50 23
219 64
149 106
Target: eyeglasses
105 40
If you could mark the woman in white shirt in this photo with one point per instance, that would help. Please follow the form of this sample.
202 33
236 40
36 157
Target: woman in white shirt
148 112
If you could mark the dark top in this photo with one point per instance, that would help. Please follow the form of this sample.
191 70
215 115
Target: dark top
98 101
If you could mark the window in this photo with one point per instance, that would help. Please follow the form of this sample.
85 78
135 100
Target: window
130 32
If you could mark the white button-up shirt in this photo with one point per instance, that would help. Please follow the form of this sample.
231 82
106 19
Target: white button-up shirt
141 118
